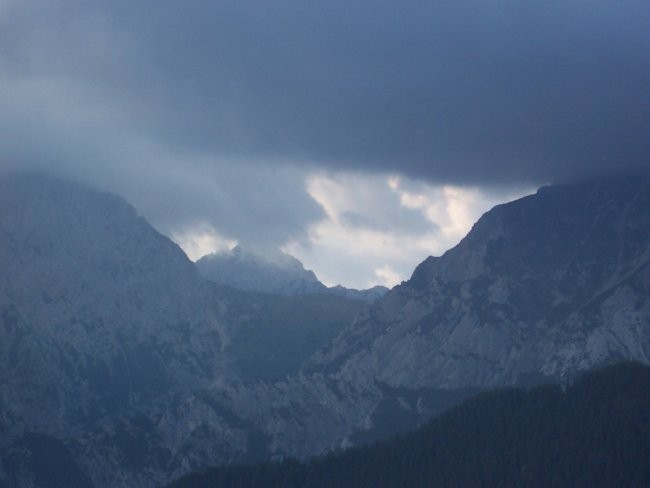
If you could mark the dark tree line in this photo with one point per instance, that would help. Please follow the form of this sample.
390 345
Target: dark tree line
594 434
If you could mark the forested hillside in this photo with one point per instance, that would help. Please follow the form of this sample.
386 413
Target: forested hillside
595 433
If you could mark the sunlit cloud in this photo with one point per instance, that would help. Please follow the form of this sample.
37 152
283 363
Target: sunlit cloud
453 209
397 222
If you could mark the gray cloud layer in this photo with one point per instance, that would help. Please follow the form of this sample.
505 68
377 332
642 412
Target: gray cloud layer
470 89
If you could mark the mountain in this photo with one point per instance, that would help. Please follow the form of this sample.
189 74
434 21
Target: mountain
111 342
107 335
272 271
546 286
275 335
541 289
595 433
368 295
120 365
269 271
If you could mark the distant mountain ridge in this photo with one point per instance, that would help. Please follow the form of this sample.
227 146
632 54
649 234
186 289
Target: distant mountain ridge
272 271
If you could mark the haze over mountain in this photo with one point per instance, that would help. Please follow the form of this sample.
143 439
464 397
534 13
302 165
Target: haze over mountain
272 271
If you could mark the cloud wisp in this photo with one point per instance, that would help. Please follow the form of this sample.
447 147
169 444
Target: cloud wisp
466 91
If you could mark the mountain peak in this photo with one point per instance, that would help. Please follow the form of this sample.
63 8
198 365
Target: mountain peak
550 284
268 256
255 269
272 271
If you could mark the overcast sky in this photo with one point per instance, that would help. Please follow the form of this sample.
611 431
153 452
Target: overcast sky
361 136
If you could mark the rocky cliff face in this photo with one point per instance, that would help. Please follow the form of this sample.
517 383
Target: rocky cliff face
112 345
107 333
549 285
540 289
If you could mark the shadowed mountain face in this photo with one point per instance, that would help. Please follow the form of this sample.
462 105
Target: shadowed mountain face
88 285
548 285
107 331
109 338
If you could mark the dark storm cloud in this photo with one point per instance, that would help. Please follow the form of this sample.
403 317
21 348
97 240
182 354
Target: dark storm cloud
165 93
470 90
55 126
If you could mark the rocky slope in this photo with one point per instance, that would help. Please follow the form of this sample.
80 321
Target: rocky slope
549 285
110 339
106 334
540 289
592 433
273 271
